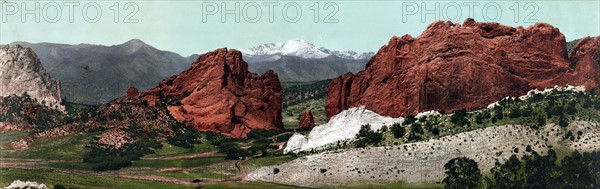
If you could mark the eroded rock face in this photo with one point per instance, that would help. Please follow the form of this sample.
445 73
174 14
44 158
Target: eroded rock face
219 94
21 72
452 66
307 121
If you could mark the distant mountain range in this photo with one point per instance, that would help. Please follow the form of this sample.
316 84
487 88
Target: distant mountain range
297 48
299 60
96 74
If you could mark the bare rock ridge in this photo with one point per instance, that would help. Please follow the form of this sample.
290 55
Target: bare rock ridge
21 72
307 121
219 94
452 66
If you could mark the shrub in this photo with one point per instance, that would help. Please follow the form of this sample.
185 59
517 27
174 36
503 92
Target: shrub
540 121
479 118
283 137
515 113
261 134
562 121
216 139
569 136
398 130
383 129
233 150
409 120
416 128
459 117
435 131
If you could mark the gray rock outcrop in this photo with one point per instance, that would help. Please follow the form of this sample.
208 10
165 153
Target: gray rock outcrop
21 72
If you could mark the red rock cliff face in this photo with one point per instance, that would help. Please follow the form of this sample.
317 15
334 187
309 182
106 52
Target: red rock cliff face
452 66
219 94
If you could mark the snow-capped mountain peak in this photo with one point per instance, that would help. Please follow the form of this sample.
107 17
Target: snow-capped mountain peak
298 48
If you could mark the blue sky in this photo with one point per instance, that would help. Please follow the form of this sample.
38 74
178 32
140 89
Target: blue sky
188 27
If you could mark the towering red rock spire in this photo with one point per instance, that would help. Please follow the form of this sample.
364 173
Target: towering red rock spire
452 66
219 94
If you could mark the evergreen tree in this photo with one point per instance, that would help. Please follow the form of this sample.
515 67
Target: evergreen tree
461 173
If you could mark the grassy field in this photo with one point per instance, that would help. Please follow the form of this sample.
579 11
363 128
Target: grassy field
50 178
171 150
59 148
182 163
7 137
191 175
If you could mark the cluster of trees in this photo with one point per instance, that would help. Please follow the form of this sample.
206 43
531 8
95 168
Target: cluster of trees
366 136
260 142
531 171
302 93
418 128
184 137
104 158
25 109
557 106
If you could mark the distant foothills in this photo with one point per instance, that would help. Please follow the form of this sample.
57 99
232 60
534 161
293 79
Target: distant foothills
96 74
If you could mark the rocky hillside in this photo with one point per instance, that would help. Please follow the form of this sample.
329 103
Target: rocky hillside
23 113
452 66
219 94
424 161
97 74
21 72
361 146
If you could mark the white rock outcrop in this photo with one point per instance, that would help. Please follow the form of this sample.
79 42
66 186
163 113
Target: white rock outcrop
21 72
18 184
533 92
342 126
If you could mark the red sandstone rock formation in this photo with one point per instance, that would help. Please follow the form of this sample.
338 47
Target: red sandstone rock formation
452 66
219 94
132 92
306 121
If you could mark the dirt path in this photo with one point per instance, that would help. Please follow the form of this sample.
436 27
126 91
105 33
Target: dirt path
206 154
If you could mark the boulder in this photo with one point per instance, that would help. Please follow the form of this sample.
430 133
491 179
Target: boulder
132 92
307 121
